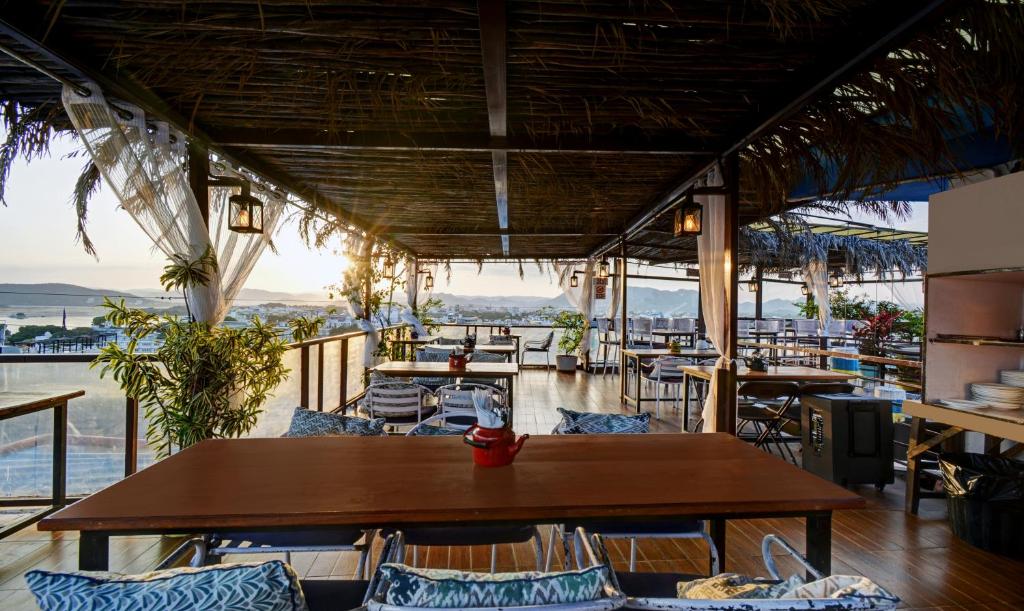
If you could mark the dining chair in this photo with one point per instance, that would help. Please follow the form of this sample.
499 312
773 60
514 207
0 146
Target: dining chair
399 587
433 354
479 356
660 323
762 404
455 402
590 423
685 327
665 373
642 331
399 403
608 344
538 345
651 591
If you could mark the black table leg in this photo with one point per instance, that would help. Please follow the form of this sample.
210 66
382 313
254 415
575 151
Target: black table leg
686 402
819 541
717 533
511 383
94 551
638 381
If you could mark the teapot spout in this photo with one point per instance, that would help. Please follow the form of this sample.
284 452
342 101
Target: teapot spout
519 444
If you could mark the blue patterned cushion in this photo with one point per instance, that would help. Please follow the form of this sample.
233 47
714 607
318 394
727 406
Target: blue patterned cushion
441 588
310 423
265 586
429 429
432 356
582 423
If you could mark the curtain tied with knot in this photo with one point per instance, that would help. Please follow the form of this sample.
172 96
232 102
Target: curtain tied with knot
580 297
353 283
143 168
816 278
711 257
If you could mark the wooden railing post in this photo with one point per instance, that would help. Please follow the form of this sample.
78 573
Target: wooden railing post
60 454
344 375
320 377
304 376
131 436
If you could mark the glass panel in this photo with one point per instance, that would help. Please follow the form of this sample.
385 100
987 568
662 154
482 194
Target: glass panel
355 366
277 413
332 374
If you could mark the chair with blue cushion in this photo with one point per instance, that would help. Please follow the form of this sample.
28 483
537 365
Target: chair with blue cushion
588 423
399 587
398 403
479 356
459 536
455 402
305 423
429 354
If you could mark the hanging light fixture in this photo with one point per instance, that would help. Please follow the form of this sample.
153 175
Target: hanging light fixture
752 286
804 290
688 219
245 212
428 282
603 268
389 268
574 280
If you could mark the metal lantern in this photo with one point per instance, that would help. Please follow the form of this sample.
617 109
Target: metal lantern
752 286
389 268
245 212
428 282
688 219
804 290
574 280
603 268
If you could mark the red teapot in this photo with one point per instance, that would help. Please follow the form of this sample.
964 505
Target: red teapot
493 447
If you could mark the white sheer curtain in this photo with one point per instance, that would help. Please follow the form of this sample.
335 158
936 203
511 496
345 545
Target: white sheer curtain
614 295
581 296
144 170
711 257
416 291
816 278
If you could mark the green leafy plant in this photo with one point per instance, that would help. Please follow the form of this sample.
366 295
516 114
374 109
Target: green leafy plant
305 327
426 313
183 273
573 325
910 325
202 382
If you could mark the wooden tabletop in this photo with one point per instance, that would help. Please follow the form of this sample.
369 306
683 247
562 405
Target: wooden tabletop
16 403
778 374
377 481
683 353
472 370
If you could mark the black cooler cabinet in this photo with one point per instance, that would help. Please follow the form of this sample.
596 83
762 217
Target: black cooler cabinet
848 438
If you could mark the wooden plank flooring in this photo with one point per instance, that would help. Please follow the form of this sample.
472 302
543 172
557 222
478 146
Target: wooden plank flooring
917 558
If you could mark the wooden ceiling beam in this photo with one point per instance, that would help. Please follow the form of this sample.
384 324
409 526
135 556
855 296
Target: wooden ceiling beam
321 140
493 45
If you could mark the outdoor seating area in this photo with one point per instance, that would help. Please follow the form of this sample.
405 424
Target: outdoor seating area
733 390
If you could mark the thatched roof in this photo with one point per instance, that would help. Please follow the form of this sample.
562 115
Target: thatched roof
790 242
386 114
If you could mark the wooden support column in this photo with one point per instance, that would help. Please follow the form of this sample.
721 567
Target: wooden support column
759 295
725 412
199 177
623 325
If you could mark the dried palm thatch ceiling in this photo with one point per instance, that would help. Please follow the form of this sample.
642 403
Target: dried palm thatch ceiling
535 128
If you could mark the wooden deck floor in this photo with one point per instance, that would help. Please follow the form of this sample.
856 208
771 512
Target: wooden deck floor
917 558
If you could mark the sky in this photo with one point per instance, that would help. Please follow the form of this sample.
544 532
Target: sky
38 245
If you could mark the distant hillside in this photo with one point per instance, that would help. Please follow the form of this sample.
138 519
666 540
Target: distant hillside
59 294
254 296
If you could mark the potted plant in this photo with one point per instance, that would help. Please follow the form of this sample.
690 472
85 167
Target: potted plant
203 382
871 338
573 326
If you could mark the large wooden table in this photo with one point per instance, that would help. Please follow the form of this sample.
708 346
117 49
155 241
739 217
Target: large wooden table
784 373
371 482
995 423
486 371
630 394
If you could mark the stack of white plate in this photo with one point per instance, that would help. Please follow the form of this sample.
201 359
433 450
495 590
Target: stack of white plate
1012 377
1000 396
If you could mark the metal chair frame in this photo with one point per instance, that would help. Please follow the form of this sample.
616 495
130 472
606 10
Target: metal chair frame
538 345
